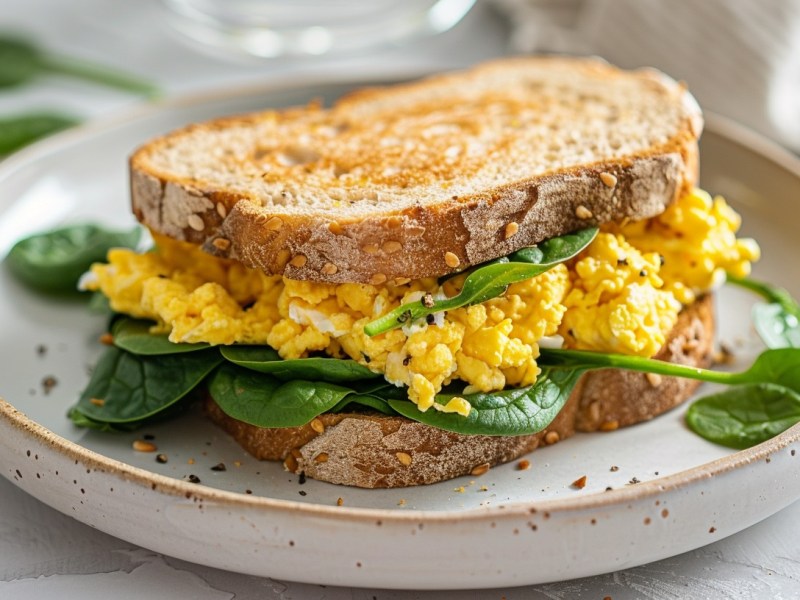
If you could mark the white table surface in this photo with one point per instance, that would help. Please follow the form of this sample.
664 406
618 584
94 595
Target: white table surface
44 554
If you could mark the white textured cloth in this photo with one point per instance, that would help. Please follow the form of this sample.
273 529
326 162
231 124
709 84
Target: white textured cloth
741 58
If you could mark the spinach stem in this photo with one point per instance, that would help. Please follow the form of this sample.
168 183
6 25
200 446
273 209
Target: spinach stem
769 292
97 74
575 358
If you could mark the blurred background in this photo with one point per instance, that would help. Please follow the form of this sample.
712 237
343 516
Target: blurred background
740 58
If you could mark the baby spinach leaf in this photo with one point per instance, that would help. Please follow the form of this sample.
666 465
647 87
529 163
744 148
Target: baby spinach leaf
265 401
519 411
370 401
20 130
54 261
776 327
746 415
266 360
778 322
133 335
21 61
126 388
81 420
490 280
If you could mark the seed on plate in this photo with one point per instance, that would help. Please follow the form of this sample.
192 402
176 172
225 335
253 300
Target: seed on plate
579 483
143 446
551 437
609 426
339 501
523 465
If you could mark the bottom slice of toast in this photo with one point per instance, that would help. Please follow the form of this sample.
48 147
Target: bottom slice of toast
377 451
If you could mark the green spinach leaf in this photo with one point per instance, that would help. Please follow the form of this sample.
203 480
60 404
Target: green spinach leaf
266 360
21 61
519 411
776 327
265 401
54 261
778 321
133 335
126 388
491 280
374 402
20 130
746 415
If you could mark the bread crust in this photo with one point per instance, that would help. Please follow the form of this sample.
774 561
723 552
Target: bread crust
460 214
377 451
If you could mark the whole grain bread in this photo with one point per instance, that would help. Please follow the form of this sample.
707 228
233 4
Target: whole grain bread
424 178
376 451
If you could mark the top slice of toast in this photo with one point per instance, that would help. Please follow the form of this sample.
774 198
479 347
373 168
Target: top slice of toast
424 178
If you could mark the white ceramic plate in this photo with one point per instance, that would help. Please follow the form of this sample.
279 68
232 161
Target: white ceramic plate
507 527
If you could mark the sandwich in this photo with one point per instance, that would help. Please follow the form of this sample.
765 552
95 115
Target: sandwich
365 292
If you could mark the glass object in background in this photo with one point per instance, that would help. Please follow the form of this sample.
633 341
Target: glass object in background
273 28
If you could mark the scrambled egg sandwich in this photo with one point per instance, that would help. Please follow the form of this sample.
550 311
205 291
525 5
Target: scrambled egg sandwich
556 197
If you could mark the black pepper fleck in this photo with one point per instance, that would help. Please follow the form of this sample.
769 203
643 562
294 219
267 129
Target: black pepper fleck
219 467
634 480
48 383
149 436
161 458
301 479
406 361
614 468
430 319
302 492
427 300
193 478
41 349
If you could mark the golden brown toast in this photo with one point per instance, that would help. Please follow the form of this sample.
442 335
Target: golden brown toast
424 178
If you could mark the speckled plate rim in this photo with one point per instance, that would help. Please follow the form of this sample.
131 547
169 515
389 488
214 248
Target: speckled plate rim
725 128
182 489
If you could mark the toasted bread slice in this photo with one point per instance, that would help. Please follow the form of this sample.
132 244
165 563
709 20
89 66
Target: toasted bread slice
425 178
376 451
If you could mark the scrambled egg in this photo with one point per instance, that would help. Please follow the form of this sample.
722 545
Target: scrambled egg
622 294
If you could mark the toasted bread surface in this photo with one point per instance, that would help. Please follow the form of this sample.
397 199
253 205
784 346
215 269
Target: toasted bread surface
424 178
377 451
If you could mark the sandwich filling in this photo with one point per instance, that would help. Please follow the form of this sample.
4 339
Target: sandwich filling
622 294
